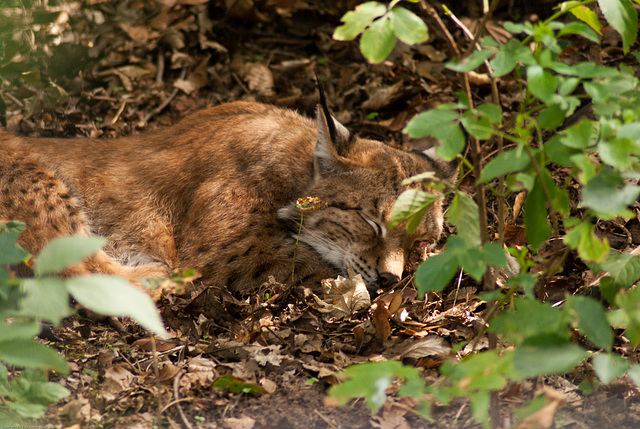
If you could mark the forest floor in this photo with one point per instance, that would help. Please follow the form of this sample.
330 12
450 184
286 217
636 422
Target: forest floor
110 68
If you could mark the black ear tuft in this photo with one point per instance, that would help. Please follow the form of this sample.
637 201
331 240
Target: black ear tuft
325 109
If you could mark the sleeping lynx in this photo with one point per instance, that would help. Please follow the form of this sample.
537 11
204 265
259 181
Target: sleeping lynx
217 192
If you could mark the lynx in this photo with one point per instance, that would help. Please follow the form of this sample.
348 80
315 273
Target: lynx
217 193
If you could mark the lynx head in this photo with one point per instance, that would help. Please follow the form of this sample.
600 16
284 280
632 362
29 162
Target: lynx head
359 180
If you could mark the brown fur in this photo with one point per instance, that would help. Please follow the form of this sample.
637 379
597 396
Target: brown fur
217 193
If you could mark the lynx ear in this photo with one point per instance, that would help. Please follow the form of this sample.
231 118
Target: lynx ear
334 142
446 170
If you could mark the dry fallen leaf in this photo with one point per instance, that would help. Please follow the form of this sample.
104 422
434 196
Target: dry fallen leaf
543 418
116 379
380 320
268 385
239 423
196 79
380 97
343 296
138 33
259 78
427 346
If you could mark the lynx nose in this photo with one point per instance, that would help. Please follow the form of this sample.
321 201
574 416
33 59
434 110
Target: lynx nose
388 279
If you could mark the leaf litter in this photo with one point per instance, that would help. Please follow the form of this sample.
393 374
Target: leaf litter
105 69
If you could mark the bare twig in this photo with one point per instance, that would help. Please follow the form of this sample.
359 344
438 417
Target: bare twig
176 395
160 71
476 158
165 103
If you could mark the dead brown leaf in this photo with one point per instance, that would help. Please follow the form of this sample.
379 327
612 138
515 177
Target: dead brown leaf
380 319
259 78
544 418
239 423
428 346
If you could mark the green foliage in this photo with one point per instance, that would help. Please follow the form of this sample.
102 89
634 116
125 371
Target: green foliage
599 154
116 296
412 204
235 385
66 251
380 26
25 303
371 381
622 16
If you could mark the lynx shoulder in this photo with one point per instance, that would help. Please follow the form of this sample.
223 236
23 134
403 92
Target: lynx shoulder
217 192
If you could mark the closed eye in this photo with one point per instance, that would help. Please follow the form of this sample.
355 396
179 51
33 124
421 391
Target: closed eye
379 229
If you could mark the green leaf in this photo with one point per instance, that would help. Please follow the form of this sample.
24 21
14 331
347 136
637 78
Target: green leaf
64 252
591 320
628 314
378 40
409 204
509 161
10 251
480 405
516 27
441 124
237 385
491 111
579 136
634 374
584 14
583 238
530 319
48 392
407 26
463 214
559 153
584 163
536 226
435 273
609 367
19 330
479 128
547 356
541 83
371 380
494 255
624 267
27 410
471 62
357 20
27 353
589 70
608 195
480 372
46 298
580 29
504 62
623 17
609 288
117 297
427 176
471 261
425 123
568 85
619 152
551 117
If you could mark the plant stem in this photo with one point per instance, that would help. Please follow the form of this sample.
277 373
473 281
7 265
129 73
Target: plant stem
295 249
